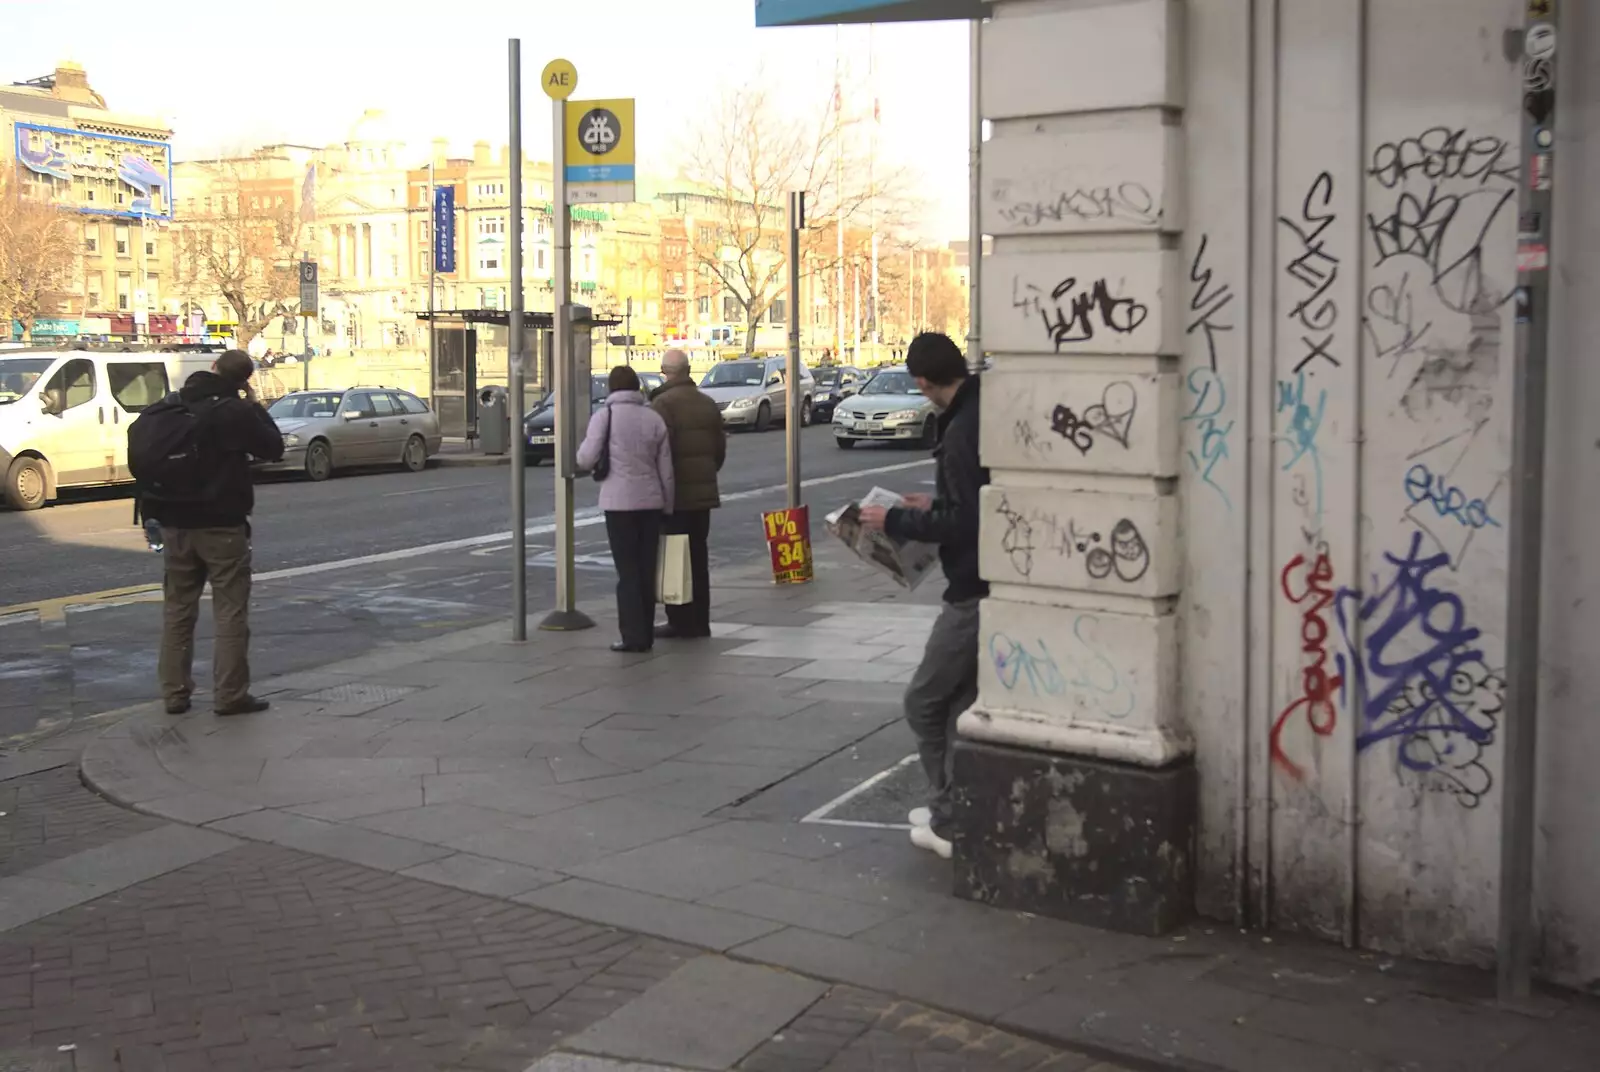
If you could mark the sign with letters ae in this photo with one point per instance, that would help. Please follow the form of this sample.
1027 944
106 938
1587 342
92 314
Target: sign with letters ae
599 151
444 229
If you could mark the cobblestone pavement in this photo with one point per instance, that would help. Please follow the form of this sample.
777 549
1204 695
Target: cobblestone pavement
264 957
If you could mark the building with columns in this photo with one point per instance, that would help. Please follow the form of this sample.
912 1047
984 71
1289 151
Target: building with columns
1265 288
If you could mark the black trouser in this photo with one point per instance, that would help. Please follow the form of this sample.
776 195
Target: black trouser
693 618
635 543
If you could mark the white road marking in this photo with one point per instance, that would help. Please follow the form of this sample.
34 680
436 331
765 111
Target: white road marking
820 815
435 488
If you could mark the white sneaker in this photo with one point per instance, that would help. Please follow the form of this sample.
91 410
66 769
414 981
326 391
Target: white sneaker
923 837
920 817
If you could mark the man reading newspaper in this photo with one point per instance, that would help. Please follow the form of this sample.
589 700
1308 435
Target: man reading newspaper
946 682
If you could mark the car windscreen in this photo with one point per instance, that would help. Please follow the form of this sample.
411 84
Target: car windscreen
19 374
892 383
735 374
307 405
827 377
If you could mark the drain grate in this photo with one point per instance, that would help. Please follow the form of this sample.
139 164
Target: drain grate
882 800
356 692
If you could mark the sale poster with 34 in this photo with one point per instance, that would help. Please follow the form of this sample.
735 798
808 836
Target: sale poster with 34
789 541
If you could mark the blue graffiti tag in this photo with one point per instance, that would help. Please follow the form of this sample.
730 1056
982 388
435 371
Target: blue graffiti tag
1419 675
1447 500
1017 665
1210 399
1304 424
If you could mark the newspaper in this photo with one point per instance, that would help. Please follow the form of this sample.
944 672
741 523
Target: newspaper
908 562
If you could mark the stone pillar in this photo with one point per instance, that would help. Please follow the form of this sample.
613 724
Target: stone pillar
1076 783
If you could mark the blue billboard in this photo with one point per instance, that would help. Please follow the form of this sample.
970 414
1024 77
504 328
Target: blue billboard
444 229
828 12
100 174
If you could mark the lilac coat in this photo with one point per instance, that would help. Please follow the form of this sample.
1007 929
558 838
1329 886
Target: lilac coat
641 454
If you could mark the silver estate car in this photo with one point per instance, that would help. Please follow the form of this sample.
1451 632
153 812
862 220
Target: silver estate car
889 407
751 393
324 430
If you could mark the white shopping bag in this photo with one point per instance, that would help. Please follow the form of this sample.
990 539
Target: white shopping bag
674 577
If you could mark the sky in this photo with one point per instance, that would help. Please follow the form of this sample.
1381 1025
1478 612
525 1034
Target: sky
229 76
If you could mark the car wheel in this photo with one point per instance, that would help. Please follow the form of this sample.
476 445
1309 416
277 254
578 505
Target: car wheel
319 461
805 413
763 418
930 433
844 444
26 484
416 456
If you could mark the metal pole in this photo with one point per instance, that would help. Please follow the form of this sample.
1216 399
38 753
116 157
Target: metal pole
627 345
1519 734
974 175
791 431
433 341
519 512
566 616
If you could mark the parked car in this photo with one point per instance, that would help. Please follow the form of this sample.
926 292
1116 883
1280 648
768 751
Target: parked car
539 424
64 414
328 430
650 381
889 408
834 384
751 392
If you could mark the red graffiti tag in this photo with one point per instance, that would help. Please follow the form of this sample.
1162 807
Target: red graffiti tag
1317 687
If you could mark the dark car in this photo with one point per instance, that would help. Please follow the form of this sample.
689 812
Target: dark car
539 425
835 383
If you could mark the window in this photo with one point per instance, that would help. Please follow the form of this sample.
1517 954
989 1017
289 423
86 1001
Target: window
493 225
703 305
588 263
149 249
776 311
136 384
383 405
539 227
91 237
730 307
411 403
72 385
152 288
122 240
394 265
124 291
538 259
489 260
358 402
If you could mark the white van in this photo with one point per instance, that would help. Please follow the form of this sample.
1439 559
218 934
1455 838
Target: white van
64 414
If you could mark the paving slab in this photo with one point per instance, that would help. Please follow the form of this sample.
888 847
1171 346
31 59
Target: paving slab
693 924
706 1015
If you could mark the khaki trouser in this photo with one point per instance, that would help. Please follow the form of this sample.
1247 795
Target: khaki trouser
193 557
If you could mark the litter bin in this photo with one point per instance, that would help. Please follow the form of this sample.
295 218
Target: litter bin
494 420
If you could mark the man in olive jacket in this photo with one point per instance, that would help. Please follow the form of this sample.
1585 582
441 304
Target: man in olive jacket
699 447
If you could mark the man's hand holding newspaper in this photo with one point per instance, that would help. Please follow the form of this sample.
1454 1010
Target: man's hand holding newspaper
860 527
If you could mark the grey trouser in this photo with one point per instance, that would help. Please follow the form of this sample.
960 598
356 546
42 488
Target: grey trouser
193 557
945 684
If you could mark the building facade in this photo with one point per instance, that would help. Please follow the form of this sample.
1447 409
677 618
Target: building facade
113 173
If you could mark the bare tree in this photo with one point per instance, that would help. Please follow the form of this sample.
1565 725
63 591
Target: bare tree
240 241
744 158
38 253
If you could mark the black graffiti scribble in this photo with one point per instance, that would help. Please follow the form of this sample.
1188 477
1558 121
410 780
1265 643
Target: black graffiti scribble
1036 531
1207 303
1026 437
1391 323
1126 201
1446 232
1072 317
1128 555
1440 153
1111 417
1316 270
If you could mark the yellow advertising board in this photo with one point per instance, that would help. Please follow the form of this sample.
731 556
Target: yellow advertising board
599 151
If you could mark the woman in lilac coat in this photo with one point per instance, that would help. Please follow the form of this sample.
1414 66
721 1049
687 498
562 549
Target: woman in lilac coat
635 492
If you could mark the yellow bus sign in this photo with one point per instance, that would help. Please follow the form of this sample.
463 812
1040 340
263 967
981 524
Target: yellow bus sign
560 79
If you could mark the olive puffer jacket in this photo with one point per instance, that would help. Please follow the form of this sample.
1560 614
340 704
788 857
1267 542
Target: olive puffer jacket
699 442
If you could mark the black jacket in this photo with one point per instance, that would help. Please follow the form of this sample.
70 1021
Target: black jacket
952 522
237 430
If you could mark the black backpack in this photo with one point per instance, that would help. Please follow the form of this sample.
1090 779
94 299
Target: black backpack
170 452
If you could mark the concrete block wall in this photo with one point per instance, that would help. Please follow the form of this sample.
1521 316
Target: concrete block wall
1250 305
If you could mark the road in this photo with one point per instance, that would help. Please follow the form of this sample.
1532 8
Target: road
343 566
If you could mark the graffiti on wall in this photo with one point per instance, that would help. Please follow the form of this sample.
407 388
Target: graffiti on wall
1124 554
1123 202
1209 411
1028 668
1313 271
1309 586
1109 418
1074 313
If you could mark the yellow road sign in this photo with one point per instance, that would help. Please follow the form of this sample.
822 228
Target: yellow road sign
560 79
600 150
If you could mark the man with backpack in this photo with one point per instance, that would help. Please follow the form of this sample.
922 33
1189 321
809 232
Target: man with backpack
190 455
